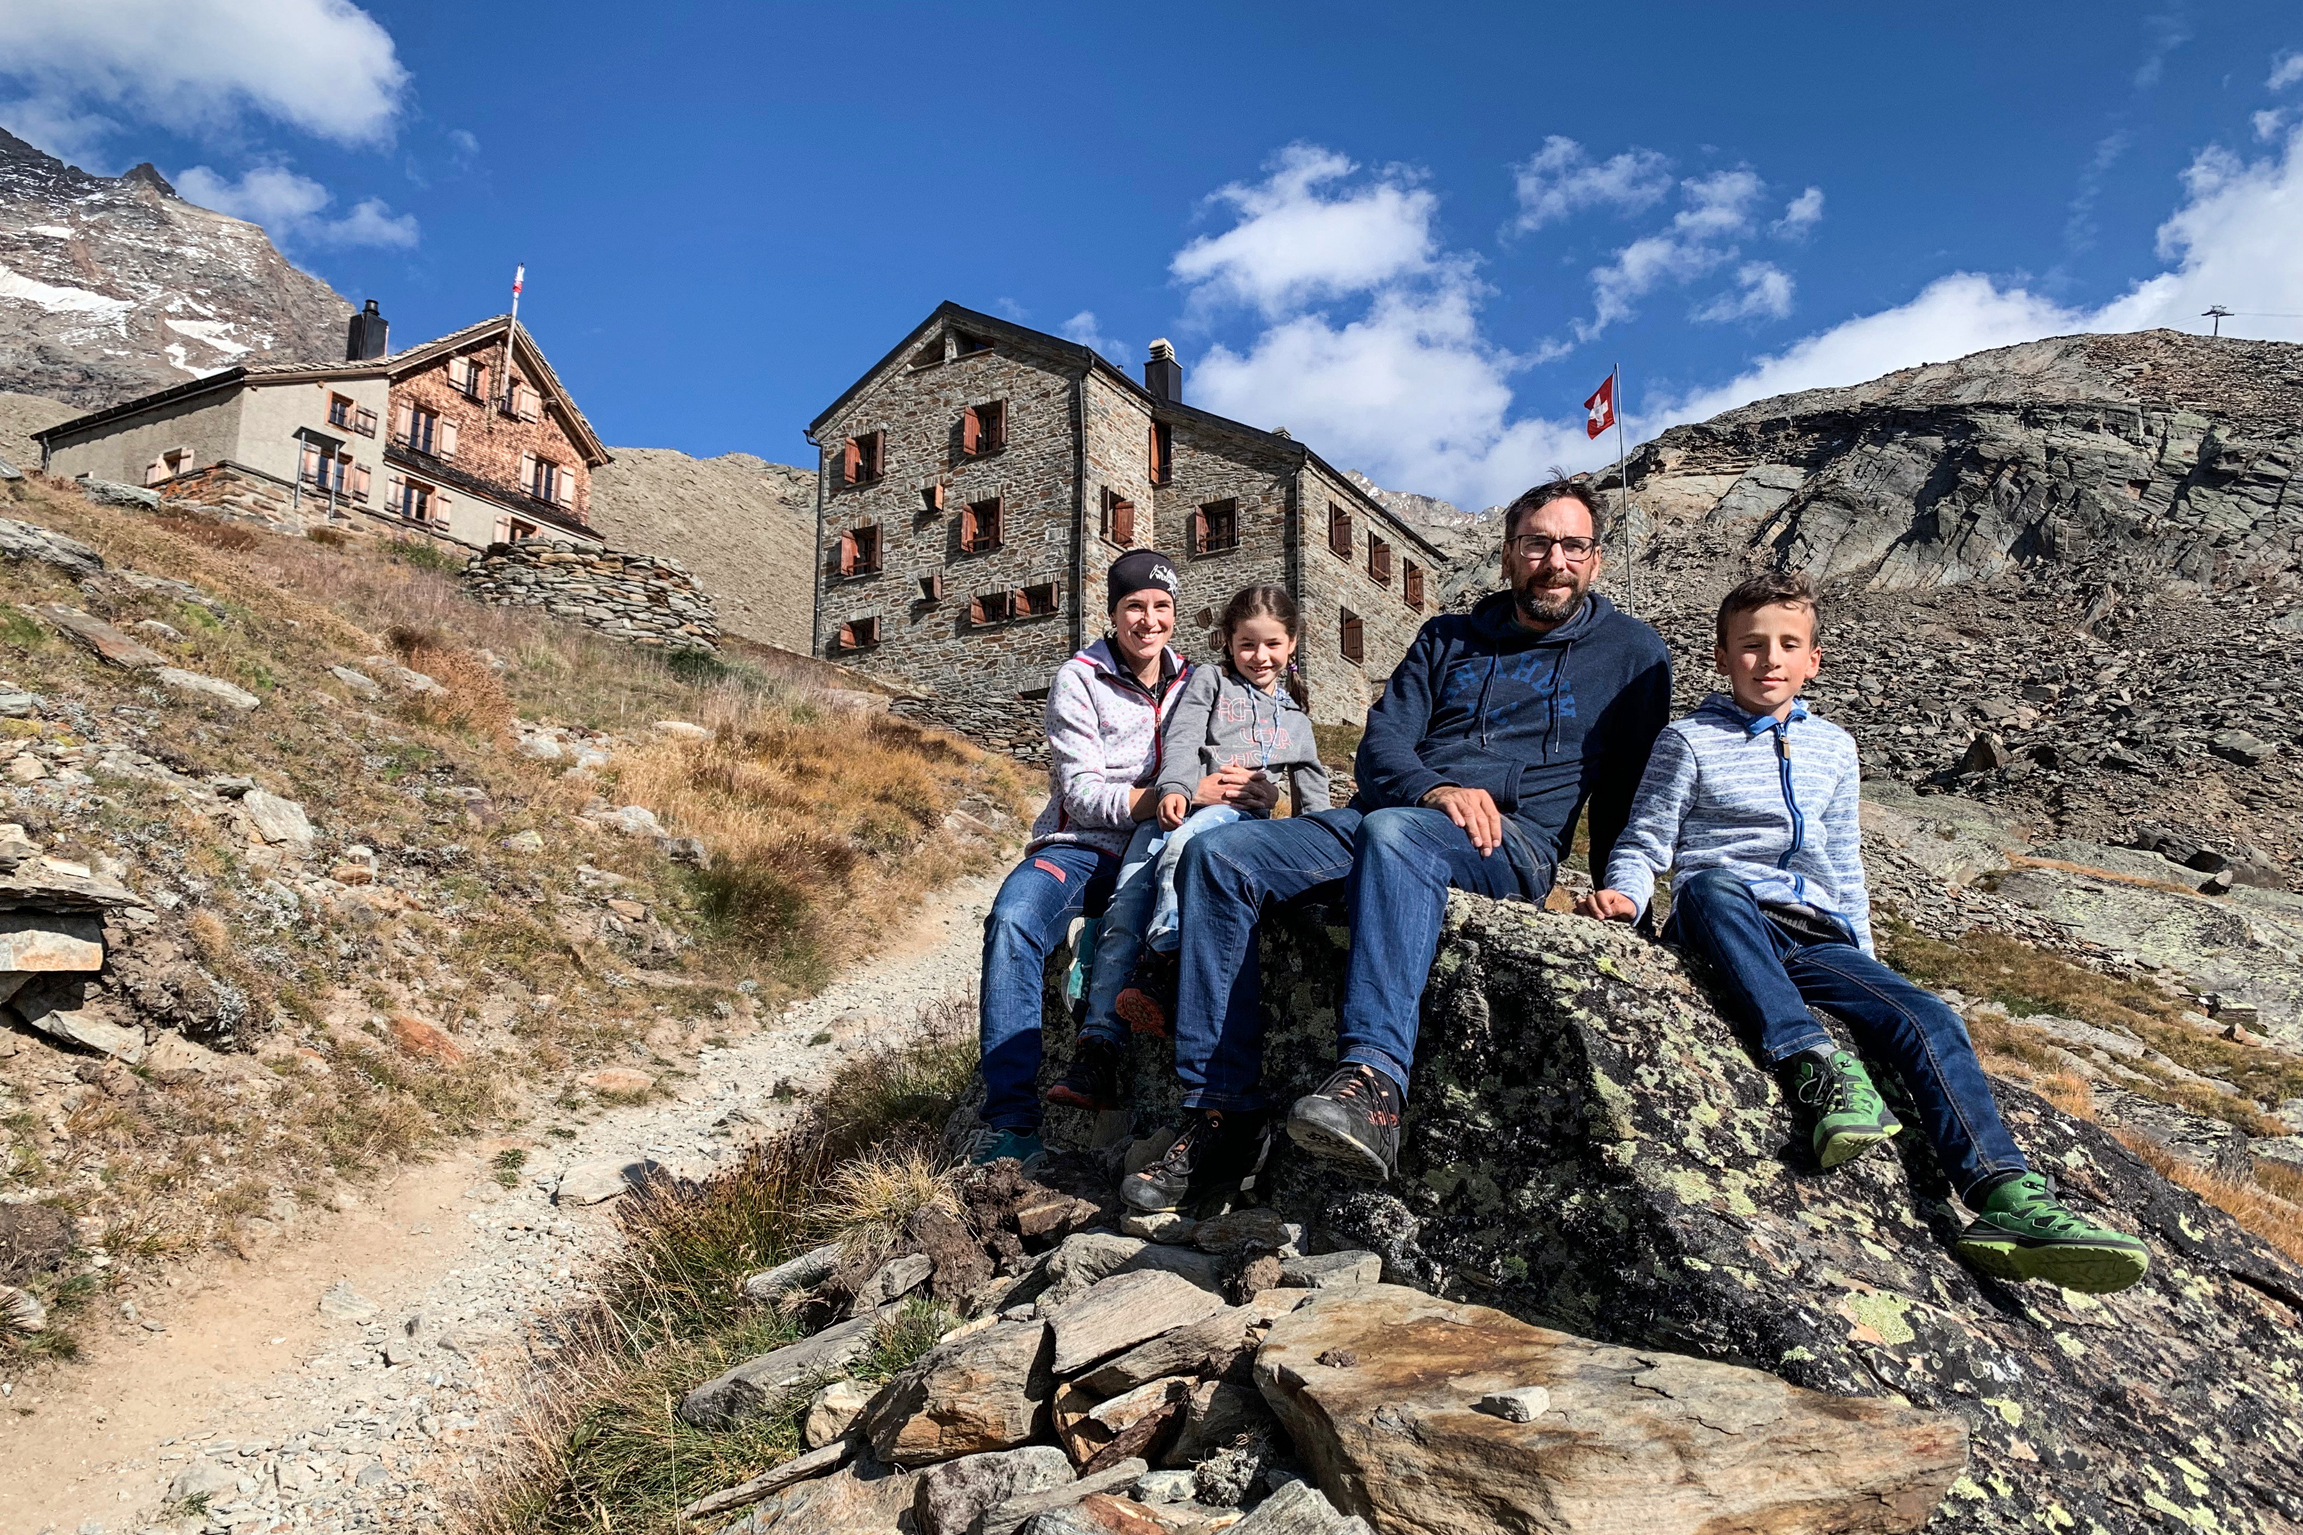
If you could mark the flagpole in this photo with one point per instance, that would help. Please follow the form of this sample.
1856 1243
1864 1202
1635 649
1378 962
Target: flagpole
1623 492
519 277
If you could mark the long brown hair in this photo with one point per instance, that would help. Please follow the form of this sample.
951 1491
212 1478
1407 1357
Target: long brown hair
1268 602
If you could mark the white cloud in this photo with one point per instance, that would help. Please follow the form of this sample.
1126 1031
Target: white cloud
323 66
1800 215
292 208
2286 70
1295 243
1082 327
2267 124
1561 179
1700 240
1764 293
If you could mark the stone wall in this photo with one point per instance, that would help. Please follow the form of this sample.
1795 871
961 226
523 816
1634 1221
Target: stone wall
490 444
631 597
1216 461
1333 584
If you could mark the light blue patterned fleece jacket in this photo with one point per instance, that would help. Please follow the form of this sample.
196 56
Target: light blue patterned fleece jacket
1774 805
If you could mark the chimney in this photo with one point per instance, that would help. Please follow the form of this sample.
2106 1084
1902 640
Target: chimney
1163 375
365 338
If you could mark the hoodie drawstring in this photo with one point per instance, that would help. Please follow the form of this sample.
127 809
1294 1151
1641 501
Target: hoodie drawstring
1558 668
1479 715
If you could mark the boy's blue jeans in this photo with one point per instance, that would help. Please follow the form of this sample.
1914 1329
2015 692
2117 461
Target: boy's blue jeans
1774 977
1029 917
1397 866
1143 899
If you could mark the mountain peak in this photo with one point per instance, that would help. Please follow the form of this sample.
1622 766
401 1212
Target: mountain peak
148 174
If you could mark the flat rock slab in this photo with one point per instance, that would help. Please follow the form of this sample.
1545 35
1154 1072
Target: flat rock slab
30 541
861 1496
987 1390
108 644
778 1378
1638 1441
268 818
56 884
1301 1509
1212 1345
1089 1256
199 685
50 941
1008 1517
952 1495
1122 1311
810 1267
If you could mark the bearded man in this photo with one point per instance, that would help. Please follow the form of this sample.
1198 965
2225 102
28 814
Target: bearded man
1495 731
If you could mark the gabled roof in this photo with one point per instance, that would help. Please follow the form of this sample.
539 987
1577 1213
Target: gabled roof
393 365
1088 360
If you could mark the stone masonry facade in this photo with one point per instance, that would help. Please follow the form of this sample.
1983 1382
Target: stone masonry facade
913 583
648 601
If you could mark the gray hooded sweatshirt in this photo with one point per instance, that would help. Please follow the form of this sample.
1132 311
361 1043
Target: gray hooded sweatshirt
1223 720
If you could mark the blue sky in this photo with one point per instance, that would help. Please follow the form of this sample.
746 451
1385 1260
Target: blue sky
1415 235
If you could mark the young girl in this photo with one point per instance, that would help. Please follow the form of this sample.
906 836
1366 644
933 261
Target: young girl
1237 727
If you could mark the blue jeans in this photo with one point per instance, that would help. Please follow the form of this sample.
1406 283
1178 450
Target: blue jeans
1029 917
1774 977
1142 897
1396 865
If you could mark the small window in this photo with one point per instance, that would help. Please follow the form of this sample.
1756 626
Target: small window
1036 601
932 500
863 458
1411 584
420 429
470 376
1378 560
987 608
547 481
518 529
1162 453
858 553
857 633
1119 520
968 344
1338 531
523 402
984 428
932 588
930 355
980 527
415 500
1354 644
1215 527
340 409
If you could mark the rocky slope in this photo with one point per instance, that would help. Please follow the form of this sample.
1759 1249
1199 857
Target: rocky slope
746 526
114 286
20 416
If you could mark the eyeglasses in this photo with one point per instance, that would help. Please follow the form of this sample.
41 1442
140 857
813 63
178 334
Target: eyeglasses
1534 546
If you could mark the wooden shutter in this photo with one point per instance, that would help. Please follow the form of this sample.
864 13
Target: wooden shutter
971 432
441 501
847 636
359 482
1124 523
447 439
932 588
528 473
395 493
976 609
531 403
403 421
1353 645
1411 584
968 530
851 462
1378 559
1199 531
1339 531
564 484
845 562
931 498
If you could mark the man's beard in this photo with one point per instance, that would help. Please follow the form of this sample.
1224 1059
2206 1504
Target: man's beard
1547 604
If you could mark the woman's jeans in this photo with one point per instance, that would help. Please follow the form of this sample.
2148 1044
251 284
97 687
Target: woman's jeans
1772 977
1142 914
1029 918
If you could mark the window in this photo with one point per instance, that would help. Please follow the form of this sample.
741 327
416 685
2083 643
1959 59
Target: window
968 344
511 530
930 355
984 428
1353 641
932 500
469 376
980 527
1215 527
340 410
553 484
417 501
987 608
932 588
863 458
857 633
858 552
330 473
1036 601
1119 519
416 428
1162 454
1411 584
1338 531
1379 560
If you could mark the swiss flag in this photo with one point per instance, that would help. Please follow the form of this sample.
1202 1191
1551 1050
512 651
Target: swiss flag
1600 409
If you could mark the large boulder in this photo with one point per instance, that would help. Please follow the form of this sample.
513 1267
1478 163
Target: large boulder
1589 1146
978 1392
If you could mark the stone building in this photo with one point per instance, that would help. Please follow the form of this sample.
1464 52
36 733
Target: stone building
974 485
469 439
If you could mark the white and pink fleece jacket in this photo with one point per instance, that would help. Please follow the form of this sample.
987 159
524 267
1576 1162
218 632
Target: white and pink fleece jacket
1103 744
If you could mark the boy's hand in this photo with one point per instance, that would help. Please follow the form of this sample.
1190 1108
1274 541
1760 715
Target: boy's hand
1172 809
1473 810
1613 905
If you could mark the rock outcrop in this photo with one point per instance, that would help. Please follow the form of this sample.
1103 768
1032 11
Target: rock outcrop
749 523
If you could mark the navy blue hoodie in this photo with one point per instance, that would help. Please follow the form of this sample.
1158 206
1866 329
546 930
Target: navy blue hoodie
1543 722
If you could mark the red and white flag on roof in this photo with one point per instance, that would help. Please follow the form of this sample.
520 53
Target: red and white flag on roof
1600 409
519 276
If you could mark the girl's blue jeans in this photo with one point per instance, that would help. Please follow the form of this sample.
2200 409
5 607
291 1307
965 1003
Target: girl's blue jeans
1142 913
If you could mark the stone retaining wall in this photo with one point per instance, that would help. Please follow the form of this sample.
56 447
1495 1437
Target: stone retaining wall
634 597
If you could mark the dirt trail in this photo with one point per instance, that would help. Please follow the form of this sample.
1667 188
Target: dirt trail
240 1383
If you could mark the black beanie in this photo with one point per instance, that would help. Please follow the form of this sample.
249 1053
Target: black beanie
1134 571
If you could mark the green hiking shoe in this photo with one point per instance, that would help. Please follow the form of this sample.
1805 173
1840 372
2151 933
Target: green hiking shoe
2024 1232
1850 1116
994 1145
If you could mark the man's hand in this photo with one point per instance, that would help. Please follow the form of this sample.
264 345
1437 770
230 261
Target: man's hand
1172 809
1613 905
1473 810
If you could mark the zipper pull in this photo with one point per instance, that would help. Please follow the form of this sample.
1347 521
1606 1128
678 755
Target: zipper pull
1783 742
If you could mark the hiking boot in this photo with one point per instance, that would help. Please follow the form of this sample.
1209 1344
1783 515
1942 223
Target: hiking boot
1215 1151
2022 1231
1092 1080
993 1144
1352 1123
1851 1117
1147 1002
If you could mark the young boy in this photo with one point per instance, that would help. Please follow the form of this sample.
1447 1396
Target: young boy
1754 800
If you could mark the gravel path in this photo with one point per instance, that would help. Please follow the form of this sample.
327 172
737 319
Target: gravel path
398 1368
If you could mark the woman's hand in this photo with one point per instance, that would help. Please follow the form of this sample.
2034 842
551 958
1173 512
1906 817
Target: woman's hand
1221 787
1172 809
1613 905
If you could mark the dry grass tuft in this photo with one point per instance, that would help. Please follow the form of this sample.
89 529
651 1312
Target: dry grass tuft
2277 1220
867 1200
